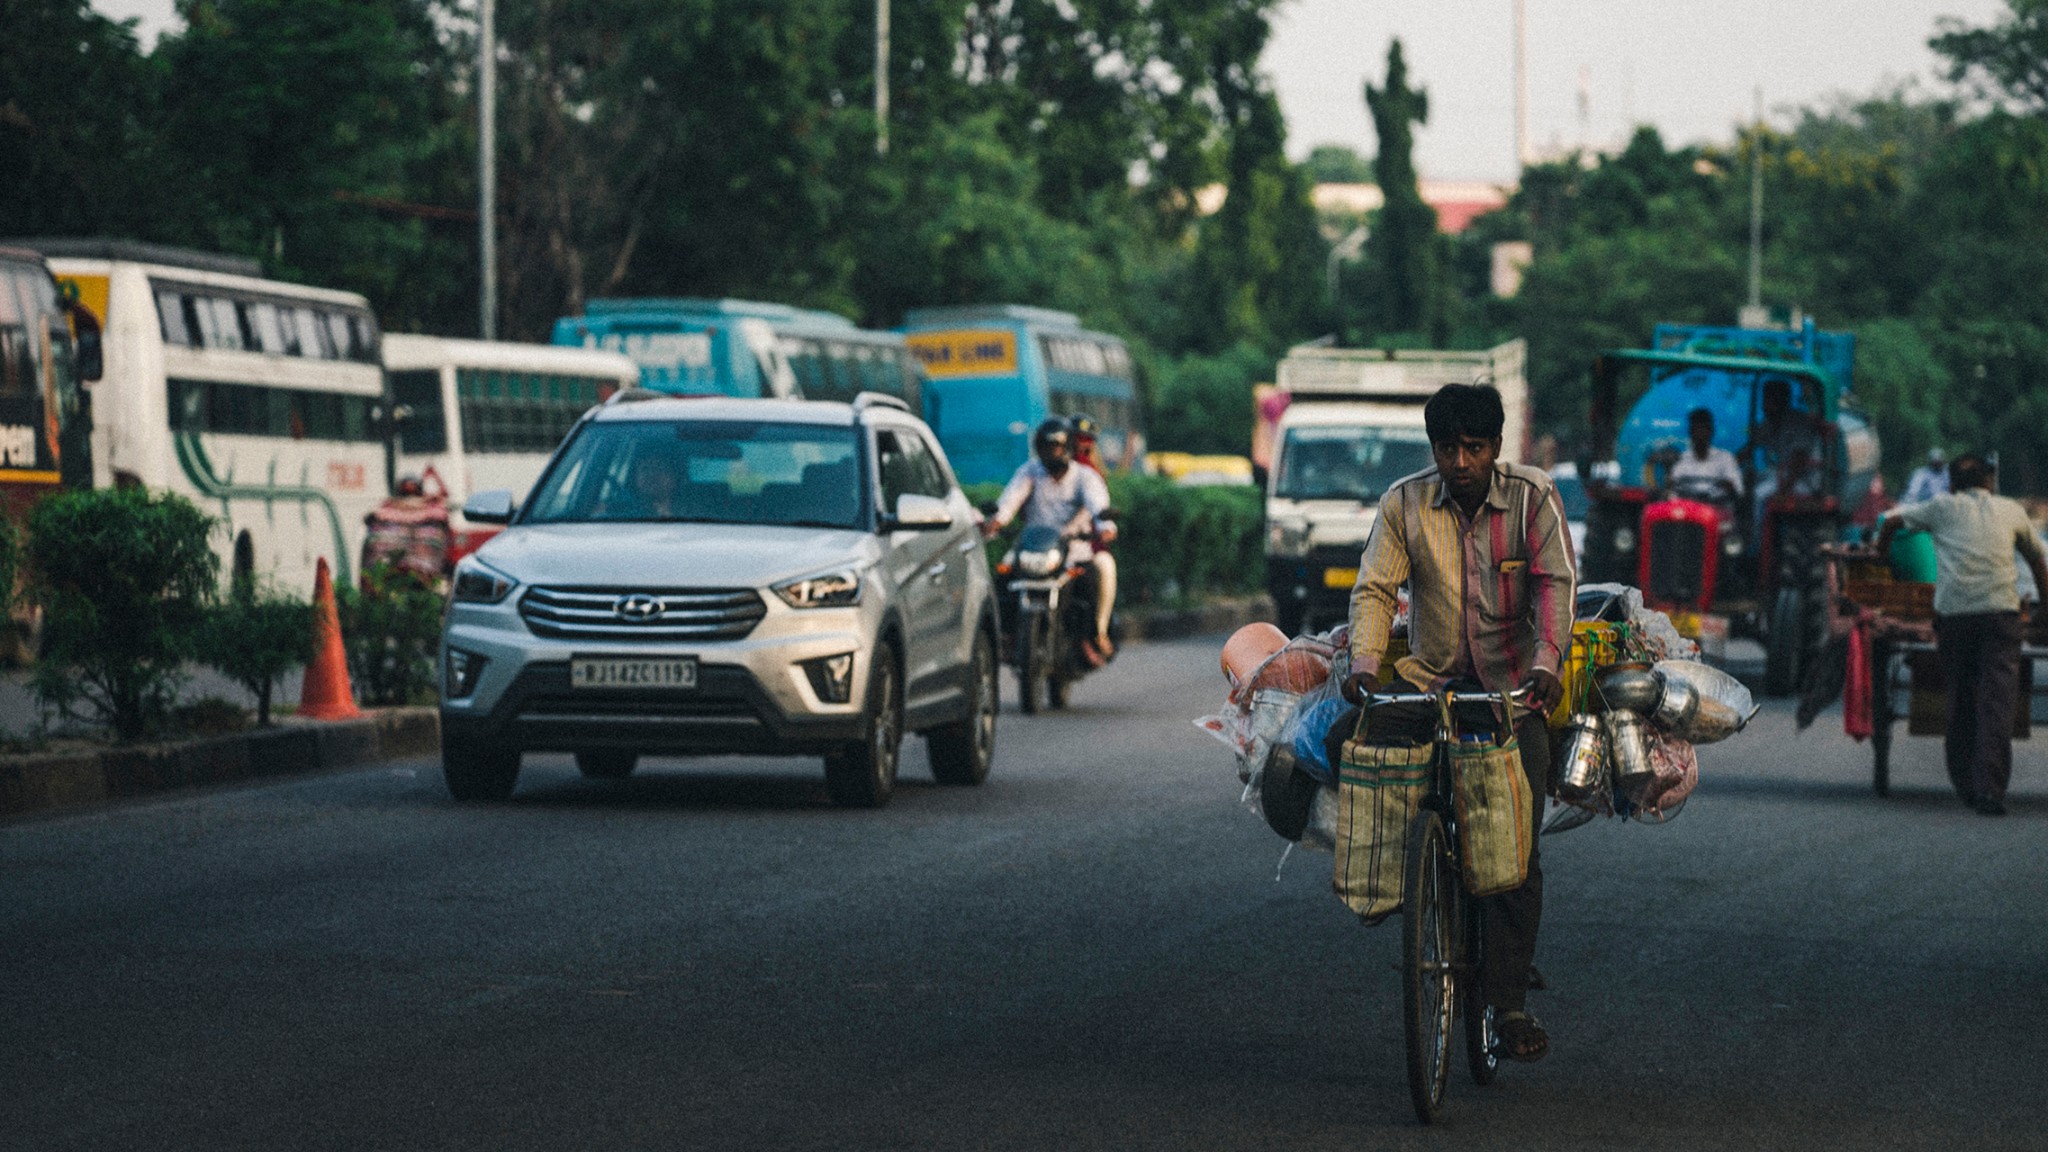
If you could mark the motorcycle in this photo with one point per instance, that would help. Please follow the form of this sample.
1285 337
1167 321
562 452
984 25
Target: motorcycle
1047 613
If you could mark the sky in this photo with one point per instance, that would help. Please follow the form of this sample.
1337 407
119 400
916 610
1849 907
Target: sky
1690 67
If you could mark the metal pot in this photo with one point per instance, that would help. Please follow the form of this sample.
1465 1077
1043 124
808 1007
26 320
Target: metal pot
1630 687
1584 771
1678 705
1628 741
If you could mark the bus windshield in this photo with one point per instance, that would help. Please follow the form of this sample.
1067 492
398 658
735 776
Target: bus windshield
704 472
1342 462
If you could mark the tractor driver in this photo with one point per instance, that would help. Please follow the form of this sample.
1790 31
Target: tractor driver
1703 467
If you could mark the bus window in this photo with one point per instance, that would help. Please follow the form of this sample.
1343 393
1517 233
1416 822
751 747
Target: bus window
17 337
170 313
219 326
269 333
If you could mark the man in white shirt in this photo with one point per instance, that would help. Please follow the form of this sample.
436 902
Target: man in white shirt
1704 468
1976 620
1052 490
1929 480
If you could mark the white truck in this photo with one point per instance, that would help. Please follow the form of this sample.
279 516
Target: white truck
1353 426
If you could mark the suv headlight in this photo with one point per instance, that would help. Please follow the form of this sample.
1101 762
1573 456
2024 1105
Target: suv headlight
478 583
835 589
1286 538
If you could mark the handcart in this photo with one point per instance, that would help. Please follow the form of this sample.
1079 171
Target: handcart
1905 674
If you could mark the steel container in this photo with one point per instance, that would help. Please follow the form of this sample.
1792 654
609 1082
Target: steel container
1584 771
1631 687
1628 741
1677 706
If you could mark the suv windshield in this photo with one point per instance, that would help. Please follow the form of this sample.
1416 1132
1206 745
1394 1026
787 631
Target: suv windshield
1348 463
708 472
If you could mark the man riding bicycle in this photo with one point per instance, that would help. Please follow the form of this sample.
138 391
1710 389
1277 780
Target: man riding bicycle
1052 490
1485 552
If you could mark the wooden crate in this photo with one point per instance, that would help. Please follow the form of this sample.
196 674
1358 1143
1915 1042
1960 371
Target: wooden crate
1902 599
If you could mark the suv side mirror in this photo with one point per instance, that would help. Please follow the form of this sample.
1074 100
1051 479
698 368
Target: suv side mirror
493 507
916 513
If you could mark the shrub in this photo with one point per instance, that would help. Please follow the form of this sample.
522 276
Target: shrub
124 577
391 627
256 636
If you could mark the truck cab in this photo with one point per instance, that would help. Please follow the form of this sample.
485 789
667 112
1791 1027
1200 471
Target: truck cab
1351 429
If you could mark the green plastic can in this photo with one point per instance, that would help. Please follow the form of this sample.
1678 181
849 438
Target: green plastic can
1912 556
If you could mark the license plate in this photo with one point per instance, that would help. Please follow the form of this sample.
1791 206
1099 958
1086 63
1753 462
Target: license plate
669 673
1340 577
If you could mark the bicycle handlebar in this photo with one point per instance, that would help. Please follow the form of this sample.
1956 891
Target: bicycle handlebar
1381 700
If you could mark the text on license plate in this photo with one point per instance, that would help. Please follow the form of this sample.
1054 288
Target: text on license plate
1339 577
671 673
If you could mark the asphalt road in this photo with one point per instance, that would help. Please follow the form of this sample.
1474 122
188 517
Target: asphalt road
1091 951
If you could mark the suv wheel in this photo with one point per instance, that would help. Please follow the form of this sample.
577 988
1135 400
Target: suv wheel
961 752
863 775
609 764
479 772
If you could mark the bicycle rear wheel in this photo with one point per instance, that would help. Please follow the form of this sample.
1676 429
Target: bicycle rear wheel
1428 957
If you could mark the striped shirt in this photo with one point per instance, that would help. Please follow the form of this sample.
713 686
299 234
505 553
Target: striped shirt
1490 597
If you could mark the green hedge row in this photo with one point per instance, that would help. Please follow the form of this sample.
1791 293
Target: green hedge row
1177 545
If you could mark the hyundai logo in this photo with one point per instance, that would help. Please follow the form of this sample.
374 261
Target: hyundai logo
638 607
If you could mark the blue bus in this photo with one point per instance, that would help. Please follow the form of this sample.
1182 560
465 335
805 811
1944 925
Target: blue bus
745 348
993 371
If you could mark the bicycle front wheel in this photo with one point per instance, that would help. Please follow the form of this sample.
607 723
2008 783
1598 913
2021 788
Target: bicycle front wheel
1428 958
1482 1043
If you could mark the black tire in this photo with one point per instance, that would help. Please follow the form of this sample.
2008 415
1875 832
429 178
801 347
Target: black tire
1058 686
479 773
1032 658
608 764
962 752
1784 656
1429 985
1482 1043
863 775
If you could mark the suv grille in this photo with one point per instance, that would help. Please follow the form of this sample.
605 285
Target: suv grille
642 613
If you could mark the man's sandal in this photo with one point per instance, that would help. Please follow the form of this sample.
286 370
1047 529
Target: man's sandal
1522 1038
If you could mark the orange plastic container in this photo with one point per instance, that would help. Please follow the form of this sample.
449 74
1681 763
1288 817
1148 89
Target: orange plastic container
1249 647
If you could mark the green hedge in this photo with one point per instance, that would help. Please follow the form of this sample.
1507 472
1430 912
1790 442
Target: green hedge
1176 545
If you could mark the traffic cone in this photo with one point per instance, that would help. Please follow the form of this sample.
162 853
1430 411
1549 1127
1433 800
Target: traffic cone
325 694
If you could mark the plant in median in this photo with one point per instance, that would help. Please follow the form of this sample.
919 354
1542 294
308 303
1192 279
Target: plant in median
124 577
254 637
391 627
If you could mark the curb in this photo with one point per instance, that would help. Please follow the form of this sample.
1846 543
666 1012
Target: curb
43 781
1215 616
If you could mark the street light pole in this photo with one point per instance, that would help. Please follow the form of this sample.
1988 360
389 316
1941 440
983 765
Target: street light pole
1521 87
487 166
881 77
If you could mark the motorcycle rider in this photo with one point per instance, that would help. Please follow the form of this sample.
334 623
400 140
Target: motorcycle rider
1050 489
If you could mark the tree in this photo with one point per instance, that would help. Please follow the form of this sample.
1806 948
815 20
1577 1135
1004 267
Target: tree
2007 61
1336 164
1403 258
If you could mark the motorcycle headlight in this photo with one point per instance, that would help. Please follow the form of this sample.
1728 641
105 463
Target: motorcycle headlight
1286 538
1731 546
1624 539
478 583
1038 563
835 589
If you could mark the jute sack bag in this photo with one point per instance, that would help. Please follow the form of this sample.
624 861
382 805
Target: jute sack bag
1494 810
1379 790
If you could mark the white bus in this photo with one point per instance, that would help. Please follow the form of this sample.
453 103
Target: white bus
476 415
256 399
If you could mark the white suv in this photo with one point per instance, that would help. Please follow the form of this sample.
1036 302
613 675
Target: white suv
726 576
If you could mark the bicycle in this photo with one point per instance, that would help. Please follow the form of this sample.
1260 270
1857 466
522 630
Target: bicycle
1442 942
